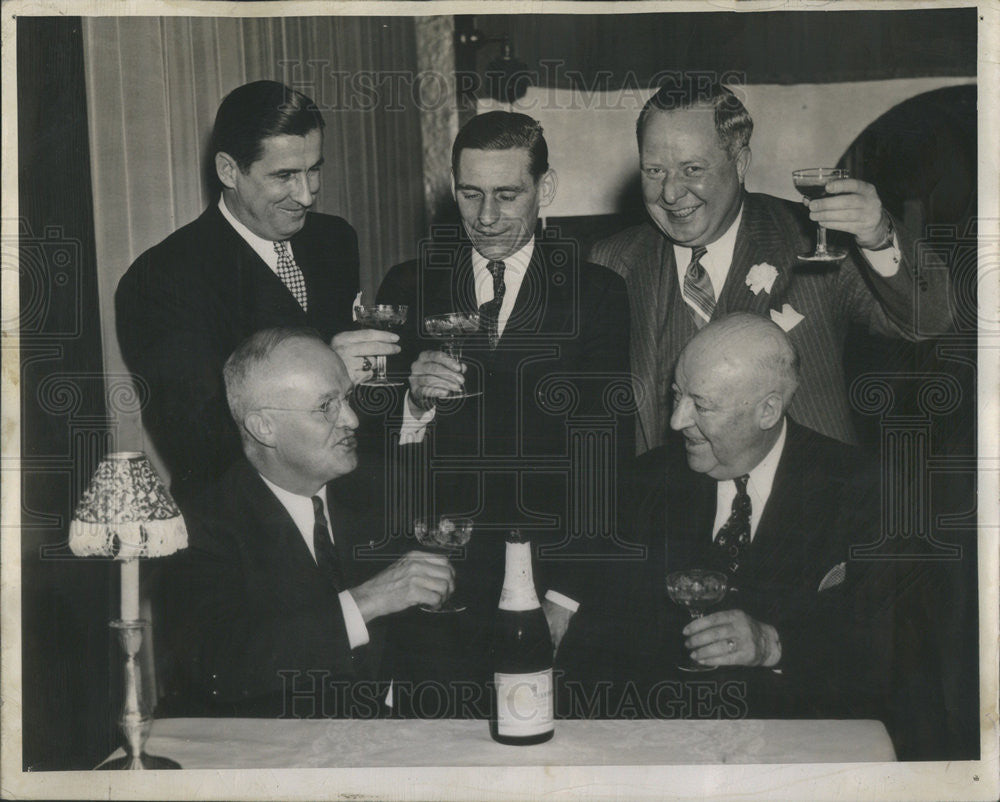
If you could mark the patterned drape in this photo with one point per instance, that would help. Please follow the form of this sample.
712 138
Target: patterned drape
154 84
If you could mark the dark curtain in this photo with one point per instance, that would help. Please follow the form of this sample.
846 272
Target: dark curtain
66 602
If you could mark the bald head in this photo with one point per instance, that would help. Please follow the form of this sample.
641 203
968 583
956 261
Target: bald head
753 350
732 385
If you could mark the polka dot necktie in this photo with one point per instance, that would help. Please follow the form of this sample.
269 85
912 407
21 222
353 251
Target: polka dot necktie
734 536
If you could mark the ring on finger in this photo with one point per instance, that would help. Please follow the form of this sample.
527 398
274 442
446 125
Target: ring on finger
732 645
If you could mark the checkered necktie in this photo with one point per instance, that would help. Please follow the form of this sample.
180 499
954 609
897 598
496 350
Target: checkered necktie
290 274
698 290
734 536
326 552
489 312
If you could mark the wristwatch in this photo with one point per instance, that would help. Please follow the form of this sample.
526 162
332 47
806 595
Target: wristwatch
888 239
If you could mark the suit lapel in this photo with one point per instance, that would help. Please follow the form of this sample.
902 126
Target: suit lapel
280 538
262 294
650 279
758 241
778 539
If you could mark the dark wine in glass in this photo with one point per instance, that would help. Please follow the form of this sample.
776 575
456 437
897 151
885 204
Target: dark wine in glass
812 182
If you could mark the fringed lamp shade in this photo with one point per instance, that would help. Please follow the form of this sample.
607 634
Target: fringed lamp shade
126 512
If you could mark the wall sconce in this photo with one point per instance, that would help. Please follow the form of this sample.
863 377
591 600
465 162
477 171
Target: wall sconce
507 78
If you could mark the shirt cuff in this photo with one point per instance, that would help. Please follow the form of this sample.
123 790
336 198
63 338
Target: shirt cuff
556 597
357 632
414 426
886 261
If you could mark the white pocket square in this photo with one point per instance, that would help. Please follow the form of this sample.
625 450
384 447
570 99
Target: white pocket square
787 318
833 577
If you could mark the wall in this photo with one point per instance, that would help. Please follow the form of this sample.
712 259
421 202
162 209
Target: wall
592 145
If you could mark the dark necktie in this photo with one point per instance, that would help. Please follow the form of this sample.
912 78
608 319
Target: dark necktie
326 552
489 312
290 274
734 536
698 290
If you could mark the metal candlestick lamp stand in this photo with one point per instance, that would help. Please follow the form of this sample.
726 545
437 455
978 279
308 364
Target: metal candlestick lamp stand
127 514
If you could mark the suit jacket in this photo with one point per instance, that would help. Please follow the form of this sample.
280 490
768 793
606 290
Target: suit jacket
250 612
184 306
548 428
834 641
912 304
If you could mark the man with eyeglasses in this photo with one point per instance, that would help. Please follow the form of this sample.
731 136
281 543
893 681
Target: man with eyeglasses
711 248
277 611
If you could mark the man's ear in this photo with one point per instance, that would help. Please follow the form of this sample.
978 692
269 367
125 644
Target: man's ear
547 185
743 163
226 169
259 427
770 410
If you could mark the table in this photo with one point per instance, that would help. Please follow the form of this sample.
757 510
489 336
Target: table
218 743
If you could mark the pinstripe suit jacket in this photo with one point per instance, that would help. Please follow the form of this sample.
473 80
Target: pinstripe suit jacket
912 304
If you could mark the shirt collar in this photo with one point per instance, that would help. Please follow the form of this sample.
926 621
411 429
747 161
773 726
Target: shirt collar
264 248
759 486
718 255
517 262
300 508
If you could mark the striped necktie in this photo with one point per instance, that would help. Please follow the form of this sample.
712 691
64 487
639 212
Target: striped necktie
290 274
326 552
698 292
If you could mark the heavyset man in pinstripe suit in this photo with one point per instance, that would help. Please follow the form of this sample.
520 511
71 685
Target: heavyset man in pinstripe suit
712 248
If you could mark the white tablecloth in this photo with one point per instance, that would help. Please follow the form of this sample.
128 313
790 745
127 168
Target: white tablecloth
268 743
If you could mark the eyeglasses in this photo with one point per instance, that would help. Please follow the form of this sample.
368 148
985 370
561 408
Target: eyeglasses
329 409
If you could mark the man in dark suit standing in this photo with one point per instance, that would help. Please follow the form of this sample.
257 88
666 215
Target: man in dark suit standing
711 248
273 608
256 258
774 506
543 427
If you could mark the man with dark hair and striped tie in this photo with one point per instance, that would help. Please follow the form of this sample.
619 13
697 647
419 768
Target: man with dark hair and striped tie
535 442
710 248
272 609
773 505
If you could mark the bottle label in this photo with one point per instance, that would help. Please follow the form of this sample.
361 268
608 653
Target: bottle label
524 703
518 584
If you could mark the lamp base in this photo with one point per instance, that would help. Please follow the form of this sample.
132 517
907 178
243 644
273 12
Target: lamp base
143 761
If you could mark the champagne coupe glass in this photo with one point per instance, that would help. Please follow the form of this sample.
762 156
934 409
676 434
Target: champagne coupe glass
696 590
443 535
385 317
451 329
811 182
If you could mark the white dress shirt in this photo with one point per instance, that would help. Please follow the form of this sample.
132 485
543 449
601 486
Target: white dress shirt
719 257
758 488
300 508
264 248
515 267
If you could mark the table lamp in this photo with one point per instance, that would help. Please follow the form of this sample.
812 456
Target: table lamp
126 513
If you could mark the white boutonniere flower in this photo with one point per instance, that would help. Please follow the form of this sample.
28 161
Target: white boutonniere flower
761 277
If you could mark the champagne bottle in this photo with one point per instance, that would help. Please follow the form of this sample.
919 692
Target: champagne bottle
523 697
